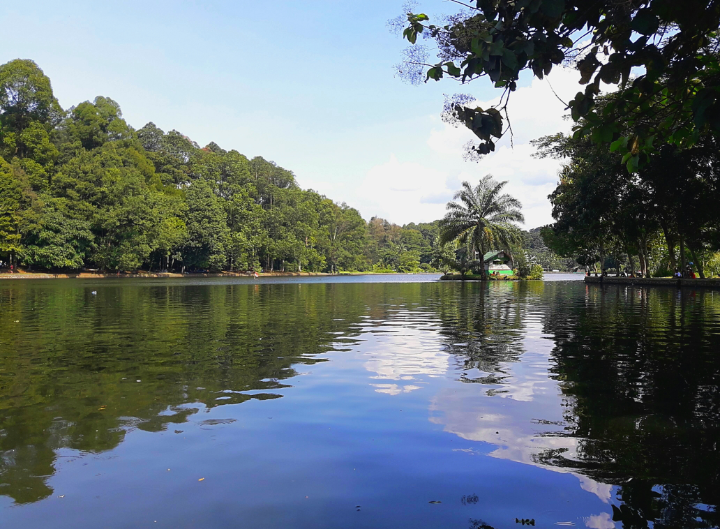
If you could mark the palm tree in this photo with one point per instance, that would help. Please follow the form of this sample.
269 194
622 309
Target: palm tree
484 219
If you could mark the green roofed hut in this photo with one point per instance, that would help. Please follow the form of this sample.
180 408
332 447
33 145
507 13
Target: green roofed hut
498 263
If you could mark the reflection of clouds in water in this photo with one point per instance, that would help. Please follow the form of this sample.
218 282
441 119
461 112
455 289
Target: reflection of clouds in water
523 424
600 521
515 436
523 391
601 490
403 356
394 389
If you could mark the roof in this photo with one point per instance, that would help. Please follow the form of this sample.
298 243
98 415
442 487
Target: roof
491 255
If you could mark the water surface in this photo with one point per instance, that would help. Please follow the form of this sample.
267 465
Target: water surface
371 401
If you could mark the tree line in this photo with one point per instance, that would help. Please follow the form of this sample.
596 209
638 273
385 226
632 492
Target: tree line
659 220
81 189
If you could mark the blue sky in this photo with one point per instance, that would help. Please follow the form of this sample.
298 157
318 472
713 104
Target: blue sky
309 85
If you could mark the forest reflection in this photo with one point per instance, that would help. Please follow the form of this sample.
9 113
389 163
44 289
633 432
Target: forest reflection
641 372
80 370
637 372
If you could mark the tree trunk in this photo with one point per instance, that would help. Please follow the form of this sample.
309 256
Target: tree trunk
484 273
670 240
682 255
698 264
644 243
632 263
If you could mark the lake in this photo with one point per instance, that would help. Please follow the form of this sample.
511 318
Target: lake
362 401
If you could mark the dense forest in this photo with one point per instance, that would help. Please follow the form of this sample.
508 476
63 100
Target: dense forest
659 220
80 188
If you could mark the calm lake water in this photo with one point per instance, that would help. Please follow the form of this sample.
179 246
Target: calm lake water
371 401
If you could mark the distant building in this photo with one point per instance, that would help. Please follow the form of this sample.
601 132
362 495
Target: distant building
498 263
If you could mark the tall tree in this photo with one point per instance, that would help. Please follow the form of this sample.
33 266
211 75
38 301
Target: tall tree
207 228
15 204
484 219
25 96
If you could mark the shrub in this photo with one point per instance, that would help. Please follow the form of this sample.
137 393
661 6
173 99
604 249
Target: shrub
536 272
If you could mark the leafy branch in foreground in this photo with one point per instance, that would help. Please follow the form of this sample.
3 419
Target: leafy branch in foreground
662 54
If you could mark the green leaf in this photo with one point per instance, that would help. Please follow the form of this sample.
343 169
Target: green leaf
614 146
606 133
452 69
509 59
435 73
632 164
645 22
609 73
552 8
587 67
410 34
529 48
496 48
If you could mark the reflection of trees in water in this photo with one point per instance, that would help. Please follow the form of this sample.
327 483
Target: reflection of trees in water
78 370
485 323
479 524
641 373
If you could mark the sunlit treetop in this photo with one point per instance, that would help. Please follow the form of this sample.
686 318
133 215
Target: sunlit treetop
660 55
25 96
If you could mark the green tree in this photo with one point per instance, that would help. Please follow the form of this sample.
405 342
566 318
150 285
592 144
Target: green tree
603 211
342 236
94 124
17 202
207 228
82 188
58 241
409 261
26 96
484 219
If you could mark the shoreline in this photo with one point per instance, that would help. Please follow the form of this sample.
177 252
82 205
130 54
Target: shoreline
174 275
655 282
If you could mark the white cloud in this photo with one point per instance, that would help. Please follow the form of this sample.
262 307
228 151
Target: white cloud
416 186
600 521
398 190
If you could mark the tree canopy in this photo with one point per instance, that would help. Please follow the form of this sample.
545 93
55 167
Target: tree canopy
662 55
81 188
665 214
